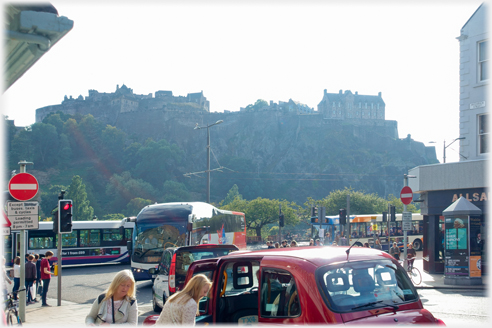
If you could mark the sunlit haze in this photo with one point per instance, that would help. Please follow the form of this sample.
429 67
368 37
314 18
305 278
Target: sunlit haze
241 51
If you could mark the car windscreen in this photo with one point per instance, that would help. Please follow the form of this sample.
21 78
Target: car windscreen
152 237
185 258
364 285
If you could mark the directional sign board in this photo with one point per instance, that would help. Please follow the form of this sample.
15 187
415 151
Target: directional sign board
23 186
406 219
23 215
406 195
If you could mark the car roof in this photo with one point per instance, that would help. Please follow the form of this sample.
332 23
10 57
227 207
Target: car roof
318 255
203 247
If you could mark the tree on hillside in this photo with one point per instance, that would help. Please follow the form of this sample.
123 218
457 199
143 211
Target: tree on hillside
49 198
231 195
360 203
82 211
260 212
158 159
175 192
45 142
121 189
135 206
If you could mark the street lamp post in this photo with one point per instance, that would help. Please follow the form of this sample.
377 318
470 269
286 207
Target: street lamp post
444 149
197 127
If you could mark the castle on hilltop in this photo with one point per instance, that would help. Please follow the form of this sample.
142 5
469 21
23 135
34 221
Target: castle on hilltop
124 100
351 106
109 106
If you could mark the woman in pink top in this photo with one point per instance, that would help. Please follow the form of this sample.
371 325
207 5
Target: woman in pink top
182 307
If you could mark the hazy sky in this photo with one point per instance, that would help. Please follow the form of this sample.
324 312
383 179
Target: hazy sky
241 51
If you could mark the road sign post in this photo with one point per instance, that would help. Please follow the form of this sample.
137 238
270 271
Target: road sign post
406 195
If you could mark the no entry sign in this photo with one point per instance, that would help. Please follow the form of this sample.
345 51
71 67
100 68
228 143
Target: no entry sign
23 186
406 195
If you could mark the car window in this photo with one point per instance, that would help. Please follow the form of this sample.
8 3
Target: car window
165 262
365 285
235 279
279 296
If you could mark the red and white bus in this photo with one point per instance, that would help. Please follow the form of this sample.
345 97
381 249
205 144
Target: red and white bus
161 226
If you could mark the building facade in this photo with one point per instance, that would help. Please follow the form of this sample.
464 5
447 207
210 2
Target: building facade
474 80
346 105
440 185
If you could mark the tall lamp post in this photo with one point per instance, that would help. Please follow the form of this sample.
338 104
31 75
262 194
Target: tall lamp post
197 127
444 149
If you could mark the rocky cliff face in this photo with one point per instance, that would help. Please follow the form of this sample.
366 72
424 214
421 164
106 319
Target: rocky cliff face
285 155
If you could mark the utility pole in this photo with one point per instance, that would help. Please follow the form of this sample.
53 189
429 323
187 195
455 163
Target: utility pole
59 264
197 127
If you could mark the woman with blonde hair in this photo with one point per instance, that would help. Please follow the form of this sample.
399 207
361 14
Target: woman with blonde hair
117 304
182 307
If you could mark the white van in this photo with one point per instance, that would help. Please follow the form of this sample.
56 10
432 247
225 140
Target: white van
171 272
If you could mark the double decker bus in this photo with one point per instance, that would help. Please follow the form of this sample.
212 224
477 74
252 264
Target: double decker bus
161 226
364 228
90 242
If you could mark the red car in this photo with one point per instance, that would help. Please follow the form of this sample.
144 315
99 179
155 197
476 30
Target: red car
308 285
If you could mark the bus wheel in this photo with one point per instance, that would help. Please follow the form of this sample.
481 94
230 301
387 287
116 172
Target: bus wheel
417 244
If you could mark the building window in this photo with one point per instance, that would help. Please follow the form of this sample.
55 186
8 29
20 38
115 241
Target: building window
378 106
372 105
366 105
333 104
360 105
483 131
339 104
483 58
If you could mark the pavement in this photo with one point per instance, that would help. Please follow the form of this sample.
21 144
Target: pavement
73 314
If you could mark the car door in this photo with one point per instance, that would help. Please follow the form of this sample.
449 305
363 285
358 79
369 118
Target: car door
208 267
161 282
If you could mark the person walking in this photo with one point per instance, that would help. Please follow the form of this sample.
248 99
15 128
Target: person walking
6 279
377 245
182 307
395 251
118 304
30 275
39 286
46 276
16 276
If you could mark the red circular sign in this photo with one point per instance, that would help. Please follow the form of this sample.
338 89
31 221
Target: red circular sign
23 186
406 195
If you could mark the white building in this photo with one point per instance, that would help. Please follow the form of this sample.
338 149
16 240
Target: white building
439 185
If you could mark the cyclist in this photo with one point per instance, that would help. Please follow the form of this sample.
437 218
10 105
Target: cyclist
411 254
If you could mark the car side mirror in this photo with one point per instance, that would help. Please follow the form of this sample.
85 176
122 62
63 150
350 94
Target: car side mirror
152 271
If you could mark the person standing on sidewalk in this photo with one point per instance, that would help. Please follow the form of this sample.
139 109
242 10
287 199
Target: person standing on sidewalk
30 271
117 304
16 276
46 276
6 279
395 251
37 261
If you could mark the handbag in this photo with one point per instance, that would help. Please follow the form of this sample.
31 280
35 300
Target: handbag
40 289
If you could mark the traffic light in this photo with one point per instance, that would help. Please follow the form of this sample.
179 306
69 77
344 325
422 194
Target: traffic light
343 216
55 221
281 220
314 215
385 216
65 215
392 213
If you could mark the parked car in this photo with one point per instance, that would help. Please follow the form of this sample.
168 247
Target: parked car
170 274
308 285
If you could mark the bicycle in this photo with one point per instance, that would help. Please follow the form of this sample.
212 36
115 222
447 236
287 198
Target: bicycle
11 312
413 272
